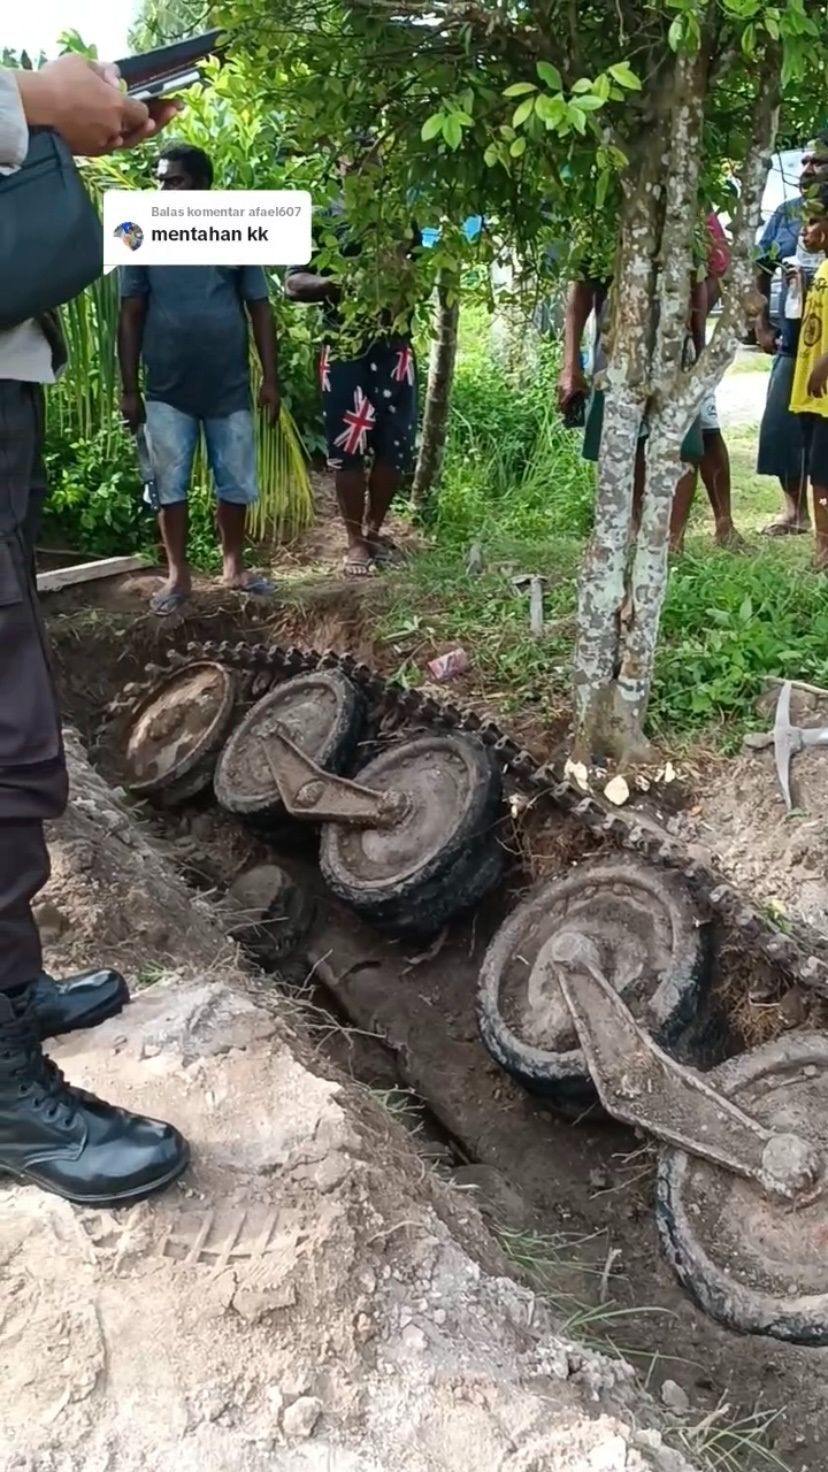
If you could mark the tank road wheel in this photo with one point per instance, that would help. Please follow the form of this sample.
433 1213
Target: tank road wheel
758 1266
474 875
427 868
174 735
323 713
652 948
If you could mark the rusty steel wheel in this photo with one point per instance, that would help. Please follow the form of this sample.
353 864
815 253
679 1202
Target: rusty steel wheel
756 1265
173 737
323 713
390 874
652 948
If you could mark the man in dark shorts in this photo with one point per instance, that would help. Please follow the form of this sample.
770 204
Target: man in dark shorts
781 445
369 405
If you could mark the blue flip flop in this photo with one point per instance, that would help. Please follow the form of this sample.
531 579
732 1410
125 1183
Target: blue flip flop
163 604
258 587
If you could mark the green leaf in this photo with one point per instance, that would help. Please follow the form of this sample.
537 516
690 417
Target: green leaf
749 40
519 89
591 103
772 26
576 117
583 84
491 155
601 188
432 126
452 131
746 610
518 148
463 119
523 111
550 75
675 35
550 109
623 74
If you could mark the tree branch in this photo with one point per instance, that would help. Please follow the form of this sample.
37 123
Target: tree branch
739 280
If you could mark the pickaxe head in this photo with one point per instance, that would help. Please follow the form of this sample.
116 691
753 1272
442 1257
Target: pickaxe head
787 741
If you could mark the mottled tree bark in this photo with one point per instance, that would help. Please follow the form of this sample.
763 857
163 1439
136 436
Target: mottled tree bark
438 394
624 578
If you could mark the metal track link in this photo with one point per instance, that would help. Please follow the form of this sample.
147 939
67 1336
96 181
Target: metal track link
800 952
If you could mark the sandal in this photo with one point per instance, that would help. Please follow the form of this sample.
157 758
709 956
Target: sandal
258 587
784 529
358 567
384 550
164 603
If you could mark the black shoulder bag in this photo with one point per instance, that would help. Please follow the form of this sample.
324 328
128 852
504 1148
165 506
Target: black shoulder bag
51 240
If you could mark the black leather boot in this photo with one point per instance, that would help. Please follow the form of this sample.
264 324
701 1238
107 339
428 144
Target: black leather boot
79 1001
66 1140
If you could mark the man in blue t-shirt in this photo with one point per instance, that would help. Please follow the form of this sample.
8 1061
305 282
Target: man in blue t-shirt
781 446
188 324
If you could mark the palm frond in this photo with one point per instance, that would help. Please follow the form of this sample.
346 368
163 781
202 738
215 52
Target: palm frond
285 505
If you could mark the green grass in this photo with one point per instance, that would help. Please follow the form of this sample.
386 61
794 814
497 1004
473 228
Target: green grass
514 480
552 1263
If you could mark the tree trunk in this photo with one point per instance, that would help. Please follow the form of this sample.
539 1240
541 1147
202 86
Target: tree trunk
438 395
624 578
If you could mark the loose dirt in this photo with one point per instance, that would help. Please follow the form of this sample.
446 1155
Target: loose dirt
308 1297
780 858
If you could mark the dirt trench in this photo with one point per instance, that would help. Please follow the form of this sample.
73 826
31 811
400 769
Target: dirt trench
308 1296
574 1200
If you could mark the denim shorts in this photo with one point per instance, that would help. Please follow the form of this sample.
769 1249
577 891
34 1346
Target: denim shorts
231 453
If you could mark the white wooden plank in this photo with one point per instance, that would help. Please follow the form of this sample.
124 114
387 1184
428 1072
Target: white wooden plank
87 572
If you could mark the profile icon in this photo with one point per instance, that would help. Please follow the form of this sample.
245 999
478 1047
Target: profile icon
131 234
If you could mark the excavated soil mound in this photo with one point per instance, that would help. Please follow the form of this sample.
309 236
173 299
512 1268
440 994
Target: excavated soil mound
775 856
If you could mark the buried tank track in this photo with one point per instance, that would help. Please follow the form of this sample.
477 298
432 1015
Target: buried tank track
800 952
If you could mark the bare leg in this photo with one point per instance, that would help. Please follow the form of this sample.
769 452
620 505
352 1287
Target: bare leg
172 523
682 502
795 518
350 493
231 519
715 472
820 494
382 486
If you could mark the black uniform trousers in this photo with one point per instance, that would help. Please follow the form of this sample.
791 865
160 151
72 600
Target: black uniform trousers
33 781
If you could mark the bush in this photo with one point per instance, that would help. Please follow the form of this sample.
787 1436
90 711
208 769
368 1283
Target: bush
512 470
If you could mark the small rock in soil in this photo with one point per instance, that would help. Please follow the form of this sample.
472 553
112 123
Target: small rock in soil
792 1008
51 922
599 1180
674 1398
300 1419
617 791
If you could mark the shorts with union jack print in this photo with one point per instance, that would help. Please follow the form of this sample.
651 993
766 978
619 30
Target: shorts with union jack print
370 405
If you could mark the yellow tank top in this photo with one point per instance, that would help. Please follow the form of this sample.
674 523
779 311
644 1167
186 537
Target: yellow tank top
813 345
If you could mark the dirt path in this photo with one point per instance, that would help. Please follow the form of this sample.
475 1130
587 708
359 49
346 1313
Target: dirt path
308 1297
740 397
